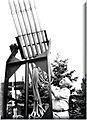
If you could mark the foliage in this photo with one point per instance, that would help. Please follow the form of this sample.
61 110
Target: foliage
60 71
78 103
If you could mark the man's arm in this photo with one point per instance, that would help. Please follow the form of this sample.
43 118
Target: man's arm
60 94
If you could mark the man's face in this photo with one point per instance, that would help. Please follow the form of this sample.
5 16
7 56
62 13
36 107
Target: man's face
65 83
62 82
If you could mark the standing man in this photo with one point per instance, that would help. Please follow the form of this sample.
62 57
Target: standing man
60 99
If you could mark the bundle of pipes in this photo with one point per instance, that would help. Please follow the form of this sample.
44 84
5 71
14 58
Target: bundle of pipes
31 38
28 30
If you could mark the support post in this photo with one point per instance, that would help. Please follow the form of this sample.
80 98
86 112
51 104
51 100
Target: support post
5 95
26 89
15 87
49 78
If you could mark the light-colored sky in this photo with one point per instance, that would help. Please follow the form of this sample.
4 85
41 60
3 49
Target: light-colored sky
64 22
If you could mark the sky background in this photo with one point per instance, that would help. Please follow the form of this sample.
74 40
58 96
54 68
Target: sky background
64 22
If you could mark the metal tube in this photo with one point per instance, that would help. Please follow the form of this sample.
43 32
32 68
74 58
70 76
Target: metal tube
22 31
38 36
33 36
18 33
39 25
26 28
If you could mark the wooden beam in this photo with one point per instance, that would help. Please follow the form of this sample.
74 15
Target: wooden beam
26 89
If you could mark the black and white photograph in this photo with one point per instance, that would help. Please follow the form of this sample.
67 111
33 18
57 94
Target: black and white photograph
43 59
